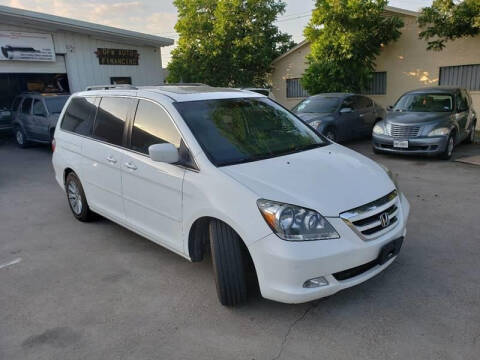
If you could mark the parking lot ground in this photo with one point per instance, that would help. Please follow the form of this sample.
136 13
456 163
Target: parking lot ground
70 290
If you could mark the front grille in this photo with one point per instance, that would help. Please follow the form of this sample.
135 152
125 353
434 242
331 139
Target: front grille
402 131
367 221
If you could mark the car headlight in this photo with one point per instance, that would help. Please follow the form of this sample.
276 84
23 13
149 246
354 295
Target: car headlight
295 223
391 176
378 129
439 132
315 124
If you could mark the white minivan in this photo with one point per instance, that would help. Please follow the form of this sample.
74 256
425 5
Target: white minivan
198 169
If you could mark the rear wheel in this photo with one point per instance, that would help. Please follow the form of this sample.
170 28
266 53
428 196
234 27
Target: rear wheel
20 137
76 199
447 154
228 264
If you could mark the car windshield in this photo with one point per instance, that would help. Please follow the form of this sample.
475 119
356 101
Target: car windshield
233 131
425 103
318 105
55 104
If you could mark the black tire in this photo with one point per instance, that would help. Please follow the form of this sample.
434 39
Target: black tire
331 134
84 213
471 135
228 264
20 137
448 152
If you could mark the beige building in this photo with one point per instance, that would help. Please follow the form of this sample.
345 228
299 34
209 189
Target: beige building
403 65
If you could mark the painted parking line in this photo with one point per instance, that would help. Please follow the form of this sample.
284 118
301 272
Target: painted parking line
13 262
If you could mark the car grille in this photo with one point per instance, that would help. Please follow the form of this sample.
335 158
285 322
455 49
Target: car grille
366 220
402 131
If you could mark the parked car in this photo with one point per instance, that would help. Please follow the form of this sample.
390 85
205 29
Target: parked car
5 119
191 167
35 116
428 121
340 116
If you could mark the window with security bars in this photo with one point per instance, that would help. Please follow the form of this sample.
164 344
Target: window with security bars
295 89
377 85
464 76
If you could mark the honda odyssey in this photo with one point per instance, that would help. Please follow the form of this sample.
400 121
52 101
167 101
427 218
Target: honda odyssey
198 169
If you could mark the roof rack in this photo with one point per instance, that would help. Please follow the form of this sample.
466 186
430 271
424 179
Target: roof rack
184 84
109 87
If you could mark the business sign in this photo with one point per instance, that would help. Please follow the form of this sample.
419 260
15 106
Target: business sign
117 56
24 46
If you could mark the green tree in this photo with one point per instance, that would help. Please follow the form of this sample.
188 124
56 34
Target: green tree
346 36
448 20
227 42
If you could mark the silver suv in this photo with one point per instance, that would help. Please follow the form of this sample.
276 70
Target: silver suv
34 116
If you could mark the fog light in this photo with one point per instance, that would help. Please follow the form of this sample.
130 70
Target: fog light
315 282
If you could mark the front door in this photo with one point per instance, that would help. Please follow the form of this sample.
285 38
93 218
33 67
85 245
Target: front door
25 118
152 191
347 122
104 156
39 120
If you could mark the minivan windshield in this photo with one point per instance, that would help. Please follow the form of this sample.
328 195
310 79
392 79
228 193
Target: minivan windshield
233 131
317 105
425 103
55 104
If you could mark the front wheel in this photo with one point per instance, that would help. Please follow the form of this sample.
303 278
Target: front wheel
471 135
331 134
447 154
20 137
228 264
77 200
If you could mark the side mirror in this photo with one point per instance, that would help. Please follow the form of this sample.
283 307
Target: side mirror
346 110
166 153
389 108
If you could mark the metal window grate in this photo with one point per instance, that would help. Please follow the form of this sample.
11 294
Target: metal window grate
295 89
465 76
378 84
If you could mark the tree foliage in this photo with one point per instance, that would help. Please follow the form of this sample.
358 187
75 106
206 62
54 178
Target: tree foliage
448 20
346 36
227 42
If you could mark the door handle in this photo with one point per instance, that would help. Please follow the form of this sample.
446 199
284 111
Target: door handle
111 159
130 165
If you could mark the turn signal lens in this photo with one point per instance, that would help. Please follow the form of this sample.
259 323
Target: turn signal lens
316 282
53 145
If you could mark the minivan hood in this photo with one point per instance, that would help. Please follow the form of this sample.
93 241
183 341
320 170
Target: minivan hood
408 118
330 179
309 117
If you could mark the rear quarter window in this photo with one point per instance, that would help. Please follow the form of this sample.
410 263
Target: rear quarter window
111 118
79 115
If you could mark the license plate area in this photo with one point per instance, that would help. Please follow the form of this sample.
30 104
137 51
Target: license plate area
389 250
401 144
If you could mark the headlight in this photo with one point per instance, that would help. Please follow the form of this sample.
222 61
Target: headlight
315 124
295 223
391 176
378 129
439 132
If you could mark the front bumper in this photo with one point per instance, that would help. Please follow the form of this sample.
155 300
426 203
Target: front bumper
419 145
283 266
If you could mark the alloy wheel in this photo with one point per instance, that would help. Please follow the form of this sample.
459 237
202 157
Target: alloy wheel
450 145
74 197
19 137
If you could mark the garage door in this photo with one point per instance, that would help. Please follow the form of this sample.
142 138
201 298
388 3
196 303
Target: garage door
57 67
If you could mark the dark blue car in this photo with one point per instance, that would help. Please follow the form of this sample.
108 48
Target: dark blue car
340 116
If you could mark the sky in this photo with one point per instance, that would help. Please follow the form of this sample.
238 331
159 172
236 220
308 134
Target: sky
158 17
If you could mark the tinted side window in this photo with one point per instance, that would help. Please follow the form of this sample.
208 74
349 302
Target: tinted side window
348 103
26 105
110 121
366 102
39 108
462 102
79 115
152 125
